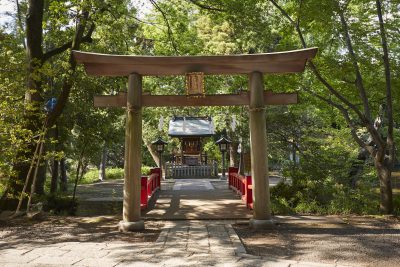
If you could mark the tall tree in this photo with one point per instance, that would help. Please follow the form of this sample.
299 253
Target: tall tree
34 119
380 146
344 75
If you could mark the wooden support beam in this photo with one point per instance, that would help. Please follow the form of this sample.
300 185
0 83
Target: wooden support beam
240 99
123 65
259 155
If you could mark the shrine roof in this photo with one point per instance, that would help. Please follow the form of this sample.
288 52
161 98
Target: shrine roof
123 65
191 127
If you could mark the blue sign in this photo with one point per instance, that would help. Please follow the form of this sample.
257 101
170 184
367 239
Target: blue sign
50 104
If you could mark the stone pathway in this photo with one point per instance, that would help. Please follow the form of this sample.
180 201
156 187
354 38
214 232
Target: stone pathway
184 240
181 243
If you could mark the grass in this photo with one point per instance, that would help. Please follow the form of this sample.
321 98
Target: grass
92 176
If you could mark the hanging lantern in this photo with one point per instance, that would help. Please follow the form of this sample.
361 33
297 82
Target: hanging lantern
195 84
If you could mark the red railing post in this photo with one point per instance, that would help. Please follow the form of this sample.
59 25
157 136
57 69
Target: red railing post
143 192
237 180
149 184
249 192
242 185
231 172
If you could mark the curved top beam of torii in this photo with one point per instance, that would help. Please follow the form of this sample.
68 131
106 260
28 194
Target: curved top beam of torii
123 65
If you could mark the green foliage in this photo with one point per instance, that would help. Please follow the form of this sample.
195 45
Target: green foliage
146 170
326 199
321 183
279 204
92 176
13 136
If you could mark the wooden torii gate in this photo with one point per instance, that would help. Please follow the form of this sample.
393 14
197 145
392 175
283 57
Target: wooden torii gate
135 67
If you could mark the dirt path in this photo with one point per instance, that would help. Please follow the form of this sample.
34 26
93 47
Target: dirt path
200 199
359 241
55 229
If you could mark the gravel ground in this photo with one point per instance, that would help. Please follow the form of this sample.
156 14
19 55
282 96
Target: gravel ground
359 241
55 229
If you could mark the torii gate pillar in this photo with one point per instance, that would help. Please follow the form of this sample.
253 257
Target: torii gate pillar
131 220
259 161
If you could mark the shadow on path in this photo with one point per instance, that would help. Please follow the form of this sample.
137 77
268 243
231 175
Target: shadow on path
200 200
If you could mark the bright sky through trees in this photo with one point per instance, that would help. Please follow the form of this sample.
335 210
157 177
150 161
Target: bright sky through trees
6 7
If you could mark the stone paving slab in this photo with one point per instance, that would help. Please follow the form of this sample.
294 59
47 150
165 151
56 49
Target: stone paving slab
53 260
193 184
100 262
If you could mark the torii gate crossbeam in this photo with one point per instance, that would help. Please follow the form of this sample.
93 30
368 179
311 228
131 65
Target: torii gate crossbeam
254 65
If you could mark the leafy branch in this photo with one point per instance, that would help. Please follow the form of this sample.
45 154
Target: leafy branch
169 29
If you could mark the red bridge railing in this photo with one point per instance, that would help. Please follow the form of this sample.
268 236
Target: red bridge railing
241 184
150 184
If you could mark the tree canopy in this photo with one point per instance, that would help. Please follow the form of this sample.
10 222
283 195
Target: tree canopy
344 130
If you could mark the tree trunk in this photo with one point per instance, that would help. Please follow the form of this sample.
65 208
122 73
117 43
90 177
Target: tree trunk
241 163
54 176
156 157
33 99
78 168
33 95
41 178
384 175
56 163
63 176
102 167
79 171
233 154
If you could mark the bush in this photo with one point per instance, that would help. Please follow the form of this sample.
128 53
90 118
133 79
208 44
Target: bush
320 184
114 173
280 205
92 176
146 170
325 196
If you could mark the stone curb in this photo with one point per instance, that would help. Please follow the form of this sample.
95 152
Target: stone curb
236 242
